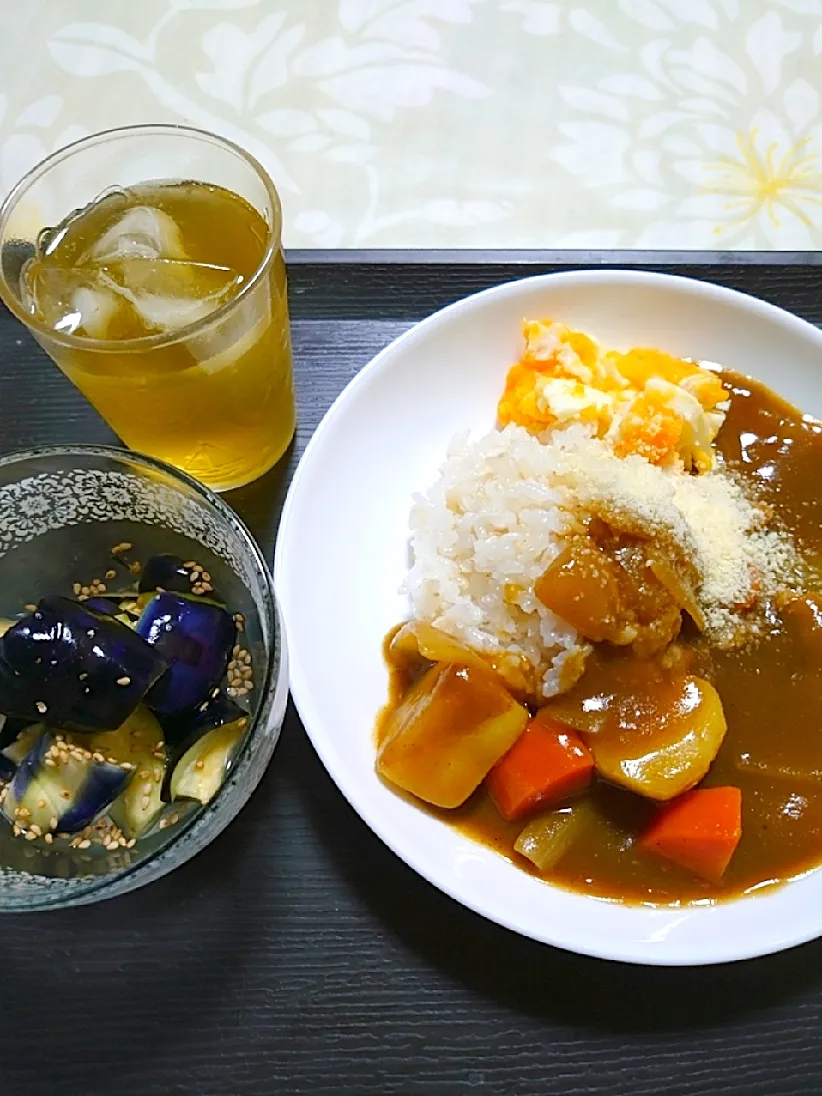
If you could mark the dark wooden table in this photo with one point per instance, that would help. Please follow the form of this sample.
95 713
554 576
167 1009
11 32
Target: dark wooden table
297 954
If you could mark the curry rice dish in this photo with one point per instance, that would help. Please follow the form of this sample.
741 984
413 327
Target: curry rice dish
610 673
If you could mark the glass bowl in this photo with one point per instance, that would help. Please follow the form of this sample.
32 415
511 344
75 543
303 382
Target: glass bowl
62 510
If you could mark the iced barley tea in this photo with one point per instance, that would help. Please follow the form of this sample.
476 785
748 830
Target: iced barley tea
184 343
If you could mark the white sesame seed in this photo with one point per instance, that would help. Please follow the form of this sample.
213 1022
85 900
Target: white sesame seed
41 707
125 680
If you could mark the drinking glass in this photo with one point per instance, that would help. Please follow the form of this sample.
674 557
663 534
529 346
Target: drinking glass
215 397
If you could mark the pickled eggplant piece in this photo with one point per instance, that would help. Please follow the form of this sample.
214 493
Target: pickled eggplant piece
202 768
183 728
139 742
168 572
195 637
75 668
62 786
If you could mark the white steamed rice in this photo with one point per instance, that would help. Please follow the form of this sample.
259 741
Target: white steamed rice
481 537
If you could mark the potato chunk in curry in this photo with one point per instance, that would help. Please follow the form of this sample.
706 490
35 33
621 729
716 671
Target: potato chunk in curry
444 736
653 733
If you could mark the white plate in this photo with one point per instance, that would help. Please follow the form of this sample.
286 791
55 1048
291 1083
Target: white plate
342 554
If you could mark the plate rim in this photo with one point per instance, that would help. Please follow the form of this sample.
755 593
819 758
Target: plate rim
300 690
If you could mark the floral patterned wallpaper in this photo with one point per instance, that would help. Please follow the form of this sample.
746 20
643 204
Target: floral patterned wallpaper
457 123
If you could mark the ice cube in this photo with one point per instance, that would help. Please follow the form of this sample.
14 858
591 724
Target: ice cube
142 232
69 301
169 294
94 308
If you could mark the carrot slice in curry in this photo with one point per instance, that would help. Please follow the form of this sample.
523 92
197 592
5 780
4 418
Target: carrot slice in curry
699 831
547 763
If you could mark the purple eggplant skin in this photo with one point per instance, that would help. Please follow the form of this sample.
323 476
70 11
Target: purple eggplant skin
90 797
167 572
196 637
75 668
